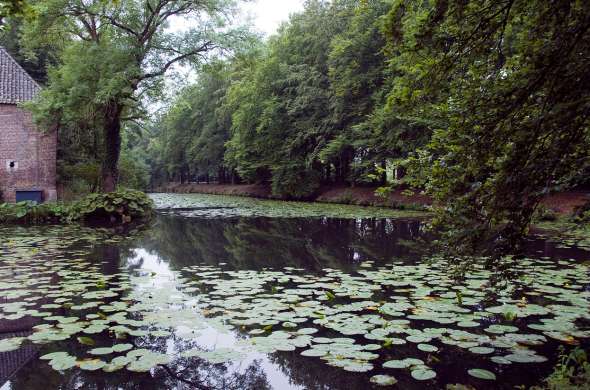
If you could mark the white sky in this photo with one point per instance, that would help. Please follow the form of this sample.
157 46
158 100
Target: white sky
267 15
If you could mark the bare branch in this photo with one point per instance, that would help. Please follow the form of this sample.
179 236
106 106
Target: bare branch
114 22
203 48
149 30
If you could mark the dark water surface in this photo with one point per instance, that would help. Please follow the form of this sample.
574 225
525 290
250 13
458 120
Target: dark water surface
241 294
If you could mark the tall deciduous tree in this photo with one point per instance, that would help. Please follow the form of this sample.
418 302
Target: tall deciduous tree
504 86
114 56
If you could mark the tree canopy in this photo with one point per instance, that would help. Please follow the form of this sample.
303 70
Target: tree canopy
112 59
483 103
501 85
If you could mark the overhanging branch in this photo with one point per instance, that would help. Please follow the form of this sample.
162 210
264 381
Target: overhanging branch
203 48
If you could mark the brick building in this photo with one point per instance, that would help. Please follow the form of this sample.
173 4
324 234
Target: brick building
27 156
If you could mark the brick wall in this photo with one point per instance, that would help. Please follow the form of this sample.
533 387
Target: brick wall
32 152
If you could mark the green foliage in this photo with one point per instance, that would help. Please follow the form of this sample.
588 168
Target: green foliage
121 206
483 103
581 214
31 213
79 179
383 192
13 8
572 372
112 57
133 167
294 181
35 65
194 130
284 112
543 213
501 86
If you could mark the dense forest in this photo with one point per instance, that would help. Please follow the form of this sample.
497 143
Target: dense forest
481 104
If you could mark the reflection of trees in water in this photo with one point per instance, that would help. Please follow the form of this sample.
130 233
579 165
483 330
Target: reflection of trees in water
183 374
207 376
250 243
312 243
316 375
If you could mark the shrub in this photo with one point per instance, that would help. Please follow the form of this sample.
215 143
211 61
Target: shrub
543 213
383 192
295 181
582 213
346 197
122 206
31 213
572 372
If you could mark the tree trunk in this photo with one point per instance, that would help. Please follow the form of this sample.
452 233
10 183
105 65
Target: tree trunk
112 147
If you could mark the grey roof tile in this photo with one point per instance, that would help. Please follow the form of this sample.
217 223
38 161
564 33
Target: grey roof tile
15 84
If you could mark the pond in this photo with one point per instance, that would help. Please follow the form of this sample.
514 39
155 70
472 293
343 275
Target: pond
234 293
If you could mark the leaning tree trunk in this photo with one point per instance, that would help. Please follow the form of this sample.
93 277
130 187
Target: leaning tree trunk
112 147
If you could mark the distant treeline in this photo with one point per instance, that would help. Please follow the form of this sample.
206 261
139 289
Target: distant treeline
307 107
484 103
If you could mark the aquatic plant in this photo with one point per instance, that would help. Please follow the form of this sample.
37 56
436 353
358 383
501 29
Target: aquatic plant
378 319
572 372
214 206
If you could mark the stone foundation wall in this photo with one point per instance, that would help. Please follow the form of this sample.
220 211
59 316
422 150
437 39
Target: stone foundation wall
27 156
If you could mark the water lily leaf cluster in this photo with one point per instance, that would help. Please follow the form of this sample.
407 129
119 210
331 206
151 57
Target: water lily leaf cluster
389 321
225 206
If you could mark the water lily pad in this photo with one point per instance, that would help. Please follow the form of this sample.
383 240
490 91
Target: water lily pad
314 352
427 348
467 324
500 360
10 344
54 355
86 340
100 351
482 374
423 374
221 355
121 347
147 361
356 366
404 363
481 350
525 358
307 331
91 365
63 362
383 380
